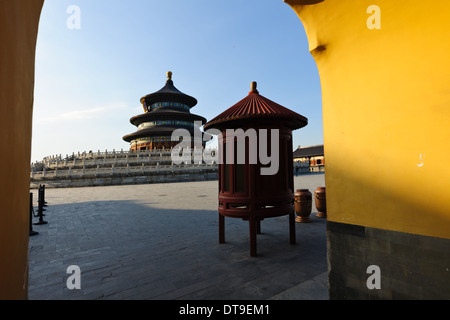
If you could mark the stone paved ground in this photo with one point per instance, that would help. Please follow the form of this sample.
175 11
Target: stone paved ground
160 241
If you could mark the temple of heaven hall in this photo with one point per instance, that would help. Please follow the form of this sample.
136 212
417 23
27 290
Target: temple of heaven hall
165 111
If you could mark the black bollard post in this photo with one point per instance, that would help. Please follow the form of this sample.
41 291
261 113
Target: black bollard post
40 208
41 198
43 195
32 232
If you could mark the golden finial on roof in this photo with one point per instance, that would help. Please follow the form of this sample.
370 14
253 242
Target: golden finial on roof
253 87
169 75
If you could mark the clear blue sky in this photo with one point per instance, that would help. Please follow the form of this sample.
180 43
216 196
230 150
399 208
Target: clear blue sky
89 80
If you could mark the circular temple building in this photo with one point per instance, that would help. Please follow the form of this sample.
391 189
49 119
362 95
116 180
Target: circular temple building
165 111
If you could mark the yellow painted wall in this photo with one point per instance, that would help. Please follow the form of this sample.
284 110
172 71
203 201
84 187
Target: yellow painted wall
18 31
386 111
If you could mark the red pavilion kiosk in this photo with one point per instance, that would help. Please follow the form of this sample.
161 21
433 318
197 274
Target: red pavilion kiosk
251 130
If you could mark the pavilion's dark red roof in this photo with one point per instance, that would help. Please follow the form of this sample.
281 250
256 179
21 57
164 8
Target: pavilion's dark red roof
256 106
310 151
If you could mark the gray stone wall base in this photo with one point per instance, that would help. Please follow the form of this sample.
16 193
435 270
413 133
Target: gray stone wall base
411 266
